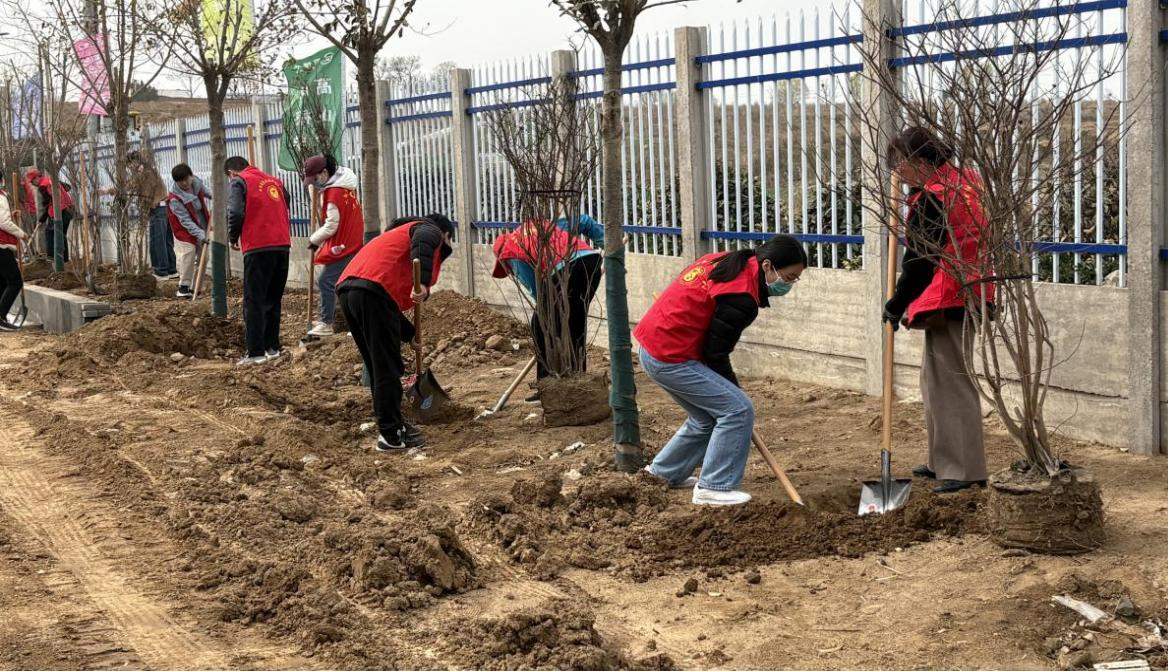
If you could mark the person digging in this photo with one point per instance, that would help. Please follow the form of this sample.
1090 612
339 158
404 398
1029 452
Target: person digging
339 237
259 225
375 291
944 214
11 281
514 252
189 218
686 339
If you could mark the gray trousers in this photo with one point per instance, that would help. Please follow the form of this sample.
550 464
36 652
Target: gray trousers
952 406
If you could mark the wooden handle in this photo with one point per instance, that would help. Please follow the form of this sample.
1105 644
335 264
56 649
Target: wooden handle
418 316
889 334
514 385
313 221
251 145
775 468
84 214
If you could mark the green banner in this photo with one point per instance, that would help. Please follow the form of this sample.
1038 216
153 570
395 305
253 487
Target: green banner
314 109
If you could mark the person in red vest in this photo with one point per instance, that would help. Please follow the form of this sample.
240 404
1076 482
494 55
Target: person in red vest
259 225
189 218
944 225
11 281
339 237
47 215
517 254
31 178
686 339
375 291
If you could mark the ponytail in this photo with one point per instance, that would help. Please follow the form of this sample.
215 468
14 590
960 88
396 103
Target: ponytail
731 265
782 250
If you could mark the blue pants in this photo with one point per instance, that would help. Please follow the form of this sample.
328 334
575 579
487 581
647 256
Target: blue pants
717 432
327 284
161 244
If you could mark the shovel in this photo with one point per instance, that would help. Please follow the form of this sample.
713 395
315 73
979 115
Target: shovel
308 337
427 395
22 314
776 469
885 495
510 390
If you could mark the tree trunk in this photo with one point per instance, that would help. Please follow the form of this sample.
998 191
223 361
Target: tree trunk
370 149
121 123
216 92
623 397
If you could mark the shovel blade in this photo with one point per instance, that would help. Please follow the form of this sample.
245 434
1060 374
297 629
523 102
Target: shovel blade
428 397
877 497
20 317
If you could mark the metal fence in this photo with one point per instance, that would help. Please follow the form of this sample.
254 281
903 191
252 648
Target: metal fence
419 120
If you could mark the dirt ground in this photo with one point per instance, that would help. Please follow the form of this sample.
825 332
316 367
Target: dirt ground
163 509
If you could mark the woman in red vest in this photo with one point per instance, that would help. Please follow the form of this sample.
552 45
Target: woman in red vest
11 282
339 237
939 278
686 339
375 291
189 218
569 259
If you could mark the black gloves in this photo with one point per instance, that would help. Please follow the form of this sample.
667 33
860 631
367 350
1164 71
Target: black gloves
891 317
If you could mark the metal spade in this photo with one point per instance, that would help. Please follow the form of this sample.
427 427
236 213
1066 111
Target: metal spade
427 396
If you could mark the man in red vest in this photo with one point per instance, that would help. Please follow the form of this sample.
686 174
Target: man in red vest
339 237
189 217
47 215
259 225
374 291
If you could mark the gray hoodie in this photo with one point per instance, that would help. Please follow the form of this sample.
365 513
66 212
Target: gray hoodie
198 226
343 178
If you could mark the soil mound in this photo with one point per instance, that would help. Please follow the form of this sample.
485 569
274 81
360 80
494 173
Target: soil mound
158 328
461 330
108 282
558 635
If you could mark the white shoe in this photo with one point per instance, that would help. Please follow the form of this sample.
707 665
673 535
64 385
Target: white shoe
321 329
272 355
713 497
252 360
687 483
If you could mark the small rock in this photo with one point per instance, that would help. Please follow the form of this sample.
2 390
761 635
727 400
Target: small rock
573 475
810 398
309 459
701 637
1125 609
366 427
177 357
573 447
1016 552
1075 660
442 345
690 586
651 646
753 578
498 343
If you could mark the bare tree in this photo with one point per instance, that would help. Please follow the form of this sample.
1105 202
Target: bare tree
360 28
399 69
220 41
611 23
310 133
1002 101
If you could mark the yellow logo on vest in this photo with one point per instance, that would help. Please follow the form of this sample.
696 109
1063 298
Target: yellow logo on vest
693 274
273 192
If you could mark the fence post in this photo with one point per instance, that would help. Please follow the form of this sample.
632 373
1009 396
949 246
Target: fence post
693 160
1145 229
462 131
879 16
180 140
259 114
388 175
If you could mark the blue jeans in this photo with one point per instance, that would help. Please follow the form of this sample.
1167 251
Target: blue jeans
327 283
717 432
161 244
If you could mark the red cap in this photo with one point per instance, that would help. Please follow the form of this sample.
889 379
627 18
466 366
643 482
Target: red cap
312 168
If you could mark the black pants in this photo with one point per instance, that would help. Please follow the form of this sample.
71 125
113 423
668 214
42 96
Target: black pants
378 328
10 281
50 235
583 280
264 275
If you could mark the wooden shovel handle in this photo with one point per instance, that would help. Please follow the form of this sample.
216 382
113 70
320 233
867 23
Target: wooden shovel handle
775 468
514 385
418 317
889 336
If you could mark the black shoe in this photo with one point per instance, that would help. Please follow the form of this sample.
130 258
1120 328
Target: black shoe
184 292
412 432
950 486
533 398
402 440
923 471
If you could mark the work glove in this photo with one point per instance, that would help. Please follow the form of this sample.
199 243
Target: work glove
313 247
892 318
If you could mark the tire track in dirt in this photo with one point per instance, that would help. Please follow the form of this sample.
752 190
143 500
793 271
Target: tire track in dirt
69 523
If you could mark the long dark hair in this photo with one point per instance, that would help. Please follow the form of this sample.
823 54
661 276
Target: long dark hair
916 143
782 250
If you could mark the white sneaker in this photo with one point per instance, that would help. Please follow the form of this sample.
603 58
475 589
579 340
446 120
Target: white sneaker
687 483
252 360
713 497
272 354
321 329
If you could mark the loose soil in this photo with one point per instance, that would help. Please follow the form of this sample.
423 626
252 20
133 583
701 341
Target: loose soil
110 285
189 514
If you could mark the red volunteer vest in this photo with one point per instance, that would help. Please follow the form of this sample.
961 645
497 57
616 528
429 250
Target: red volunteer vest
266 223
7 238
959 192
30 194
523 244
386 261
181 233
674 328
65 196
350 232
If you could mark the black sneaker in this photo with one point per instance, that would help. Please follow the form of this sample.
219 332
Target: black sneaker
533 398
950 486
402 440
184 292
6 325
412 431
923 471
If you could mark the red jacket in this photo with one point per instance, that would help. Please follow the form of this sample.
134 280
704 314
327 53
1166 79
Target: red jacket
959 192
674 328
30 199
266 222
350 235
6 238
386 261
45 183
176 227
525 244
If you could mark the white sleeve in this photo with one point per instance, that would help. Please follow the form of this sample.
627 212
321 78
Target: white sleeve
7 224
332 221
